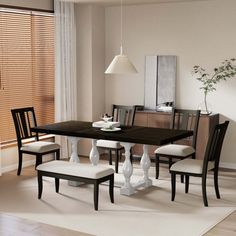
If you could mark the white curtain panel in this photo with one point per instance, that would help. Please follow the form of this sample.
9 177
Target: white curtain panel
65 67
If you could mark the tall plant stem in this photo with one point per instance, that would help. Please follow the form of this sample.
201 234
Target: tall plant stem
205 101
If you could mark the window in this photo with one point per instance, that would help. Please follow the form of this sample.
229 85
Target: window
26 67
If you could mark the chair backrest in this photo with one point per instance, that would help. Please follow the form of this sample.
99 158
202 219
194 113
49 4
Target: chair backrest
124 114
24 119
214 144
186 120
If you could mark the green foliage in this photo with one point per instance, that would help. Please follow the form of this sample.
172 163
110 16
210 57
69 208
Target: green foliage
226 70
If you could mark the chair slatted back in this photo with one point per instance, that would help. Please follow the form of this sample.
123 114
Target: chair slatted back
214 144
24 119
186 120
124 114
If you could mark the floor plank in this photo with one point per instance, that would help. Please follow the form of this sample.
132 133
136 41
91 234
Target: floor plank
11 225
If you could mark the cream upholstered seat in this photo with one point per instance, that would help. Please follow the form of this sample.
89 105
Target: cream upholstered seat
125 116
191 166
185 120
24 119
175 150
76 169
199 168
40 147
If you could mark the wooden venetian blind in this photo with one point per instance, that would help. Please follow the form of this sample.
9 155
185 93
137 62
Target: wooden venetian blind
26 67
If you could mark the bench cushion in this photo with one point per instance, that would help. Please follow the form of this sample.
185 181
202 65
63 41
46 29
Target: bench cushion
76 169
40 147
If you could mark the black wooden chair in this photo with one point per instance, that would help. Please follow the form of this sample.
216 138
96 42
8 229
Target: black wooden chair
199 168
185 120
24 119
125 116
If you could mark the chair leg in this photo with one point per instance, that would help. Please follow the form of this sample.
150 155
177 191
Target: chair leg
40 185
58 154
117 161
173 186
170 162
204 194
216 183
157 161
131 156
38 160
57 183
186 183
111 188
110 157
95 195
182 178
120 155
20 163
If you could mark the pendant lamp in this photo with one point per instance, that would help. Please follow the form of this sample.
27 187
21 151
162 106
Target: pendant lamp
121 63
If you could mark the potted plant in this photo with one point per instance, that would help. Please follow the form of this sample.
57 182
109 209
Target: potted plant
226 70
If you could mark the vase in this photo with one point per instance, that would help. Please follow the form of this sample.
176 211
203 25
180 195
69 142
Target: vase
205 107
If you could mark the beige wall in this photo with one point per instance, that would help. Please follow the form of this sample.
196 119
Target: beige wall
199 33
90 61
37 4
90 36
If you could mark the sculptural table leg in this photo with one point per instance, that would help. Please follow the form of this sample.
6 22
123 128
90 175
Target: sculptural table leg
74 149
74 156
145 165
127 188
94 154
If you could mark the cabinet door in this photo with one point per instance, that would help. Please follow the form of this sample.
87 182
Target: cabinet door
159 120
141 119
206 124
150 119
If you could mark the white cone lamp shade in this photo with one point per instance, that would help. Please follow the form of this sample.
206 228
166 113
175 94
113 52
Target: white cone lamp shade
121 65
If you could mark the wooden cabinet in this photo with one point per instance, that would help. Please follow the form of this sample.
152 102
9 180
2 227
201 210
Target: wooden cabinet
162 120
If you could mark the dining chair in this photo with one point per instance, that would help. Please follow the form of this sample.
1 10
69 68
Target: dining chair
27 141
200 168
125 116
185 120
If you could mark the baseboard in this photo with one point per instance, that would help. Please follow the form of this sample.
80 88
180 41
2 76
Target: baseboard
228 165
15 166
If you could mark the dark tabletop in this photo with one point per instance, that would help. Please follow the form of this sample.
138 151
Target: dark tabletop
134 134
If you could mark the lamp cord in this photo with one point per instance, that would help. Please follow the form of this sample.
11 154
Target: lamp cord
121 27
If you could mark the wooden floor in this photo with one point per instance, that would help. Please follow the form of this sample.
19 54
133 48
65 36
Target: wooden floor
225 228
11 225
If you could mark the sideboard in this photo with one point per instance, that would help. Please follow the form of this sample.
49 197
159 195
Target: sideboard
151 118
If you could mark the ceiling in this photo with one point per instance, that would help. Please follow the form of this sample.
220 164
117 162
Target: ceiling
130 2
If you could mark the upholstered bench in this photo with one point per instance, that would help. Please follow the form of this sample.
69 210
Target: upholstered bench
85 173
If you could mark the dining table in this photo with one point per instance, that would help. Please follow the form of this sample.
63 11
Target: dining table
128 136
